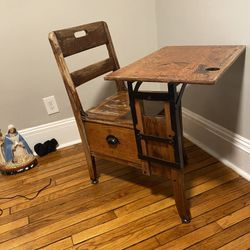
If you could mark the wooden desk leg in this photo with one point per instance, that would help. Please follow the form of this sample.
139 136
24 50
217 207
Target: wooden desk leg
94 179
177 178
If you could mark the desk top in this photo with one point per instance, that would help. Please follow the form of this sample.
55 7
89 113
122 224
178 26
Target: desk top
181 64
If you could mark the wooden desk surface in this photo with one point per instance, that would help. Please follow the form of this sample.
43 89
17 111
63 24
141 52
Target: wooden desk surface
181 64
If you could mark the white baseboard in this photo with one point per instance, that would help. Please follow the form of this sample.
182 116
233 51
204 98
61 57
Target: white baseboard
230 148
64 131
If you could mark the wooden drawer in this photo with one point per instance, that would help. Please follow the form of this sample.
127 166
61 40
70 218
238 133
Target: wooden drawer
125 149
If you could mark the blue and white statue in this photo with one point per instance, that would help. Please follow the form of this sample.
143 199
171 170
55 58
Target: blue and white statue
2 159
16 149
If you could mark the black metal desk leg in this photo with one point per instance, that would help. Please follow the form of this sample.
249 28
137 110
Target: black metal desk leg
177 175
182 205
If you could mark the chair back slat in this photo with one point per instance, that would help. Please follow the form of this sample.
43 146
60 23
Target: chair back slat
67 42
81 38
92 71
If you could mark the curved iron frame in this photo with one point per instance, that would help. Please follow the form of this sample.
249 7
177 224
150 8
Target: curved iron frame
174 99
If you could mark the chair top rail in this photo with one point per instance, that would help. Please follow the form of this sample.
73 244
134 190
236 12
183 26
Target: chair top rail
77 39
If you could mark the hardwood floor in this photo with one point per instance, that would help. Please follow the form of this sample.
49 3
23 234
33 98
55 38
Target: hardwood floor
126 210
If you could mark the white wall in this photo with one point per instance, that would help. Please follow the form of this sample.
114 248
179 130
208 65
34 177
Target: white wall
216 117
28 69
212 22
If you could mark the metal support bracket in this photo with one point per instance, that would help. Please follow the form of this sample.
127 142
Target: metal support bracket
175 109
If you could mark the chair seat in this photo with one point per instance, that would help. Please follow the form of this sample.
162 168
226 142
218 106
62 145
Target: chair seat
112 110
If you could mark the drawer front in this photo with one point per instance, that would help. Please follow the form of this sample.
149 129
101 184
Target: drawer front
109 140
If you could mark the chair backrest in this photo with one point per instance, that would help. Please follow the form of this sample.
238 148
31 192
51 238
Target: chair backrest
67 42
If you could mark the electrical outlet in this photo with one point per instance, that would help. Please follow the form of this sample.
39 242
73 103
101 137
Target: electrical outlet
50 105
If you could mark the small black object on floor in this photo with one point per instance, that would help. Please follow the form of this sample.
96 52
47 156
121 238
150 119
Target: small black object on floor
47 147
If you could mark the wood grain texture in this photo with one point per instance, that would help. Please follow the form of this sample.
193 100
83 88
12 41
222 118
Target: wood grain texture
235 217
156 126
181 64
242 243
113 110
61 244
126 209
125 148
146 169
92 35
192 238
202 219
224 236
149 244
92 71
13 225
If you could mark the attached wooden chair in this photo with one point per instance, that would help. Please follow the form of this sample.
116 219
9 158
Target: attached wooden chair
108 131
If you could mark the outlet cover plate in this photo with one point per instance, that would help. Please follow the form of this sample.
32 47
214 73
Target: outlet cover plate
51 105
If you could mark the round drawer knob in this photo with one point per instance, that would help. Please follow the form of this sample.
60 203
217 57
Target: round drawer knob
112 140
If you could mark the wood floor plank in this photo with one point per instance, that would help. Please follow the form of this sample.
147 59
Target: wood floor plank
197 156
160 192
72 176
211 184
108 226
61 214
26 190
49 193
212 198
12 202
55 172
38 229
14 185
67 232
57 192
4 212
134 232
192 238
126 209
242 243
204 218
103 167
13 225
235 217
225 236
199 163
20 203
79 198
131 233
192 180
61 244
70 220
149 244
7 180
87 193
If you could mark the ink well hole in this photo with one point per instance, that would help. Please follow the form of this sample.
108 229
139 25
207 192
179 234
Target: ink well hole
212 69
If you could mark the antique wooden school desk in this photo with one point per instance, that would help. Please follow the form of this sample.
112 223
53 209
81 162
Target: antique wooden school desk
125 127
159 137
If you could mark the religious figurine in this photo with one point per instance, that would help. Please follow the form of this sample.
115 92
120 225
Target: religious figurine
16 153
16 148
2 159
